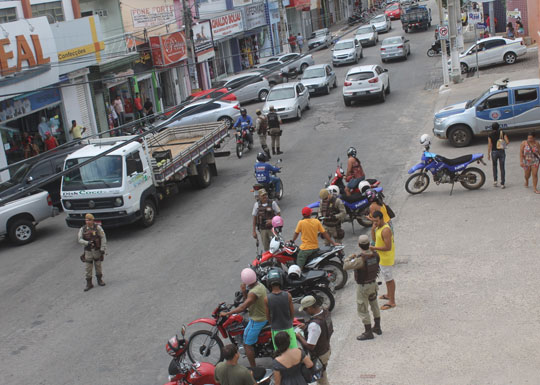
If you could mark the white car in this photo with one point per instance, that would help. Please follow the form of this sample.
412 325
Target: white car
294 61
257 89
347 51
366 82
492 50
367 35
289 100
382 23
320 37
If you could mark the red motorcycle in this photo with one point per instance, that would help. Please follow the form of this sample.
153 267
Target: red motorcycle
207 346
339 180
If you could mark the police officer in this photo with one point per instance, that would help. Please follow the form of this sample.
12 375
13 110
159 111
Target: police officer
332 212
263 212
274 129
366 269
248 126
261 126
92 237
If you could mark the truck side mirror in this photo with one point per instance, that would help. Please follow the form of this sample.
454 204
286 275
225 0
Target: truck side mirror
29 179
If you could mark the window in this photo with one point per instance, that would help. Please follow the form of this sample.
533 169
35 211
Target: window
494 43
134 163
360 76
42 170
525 95
496 100
58 164
53 11
7 15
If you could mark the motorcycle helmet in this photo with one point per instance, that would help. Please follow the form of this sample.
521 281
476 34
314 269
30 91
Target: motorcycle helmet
334 190
364 186
371 195
274 278
425 140
274 245
175 345
243 111
248 276
294 272
351 151
261 157
277 221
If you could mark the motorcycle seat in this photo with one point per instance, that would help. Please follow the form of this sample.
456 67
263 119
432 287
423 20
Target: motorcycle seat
266 328
322 250
352 198
456 161
307 275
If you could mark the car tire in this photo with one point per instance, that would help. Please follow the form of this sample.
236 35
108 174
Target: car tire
510 58
327 90
347 102
299 113
262 95
21 231
388 88
460 135
355 59
464 68
362 54
383 95
228 121
383 60
303 67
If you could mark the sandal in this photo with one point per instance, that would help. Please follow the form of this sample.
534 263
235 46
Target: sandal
387 306
384 296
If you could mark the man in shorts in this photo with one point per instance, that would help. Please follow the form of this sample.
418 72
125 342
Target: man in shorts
384 246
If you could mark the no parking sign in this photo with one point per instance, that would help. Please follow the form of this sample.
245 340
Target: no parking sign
443 32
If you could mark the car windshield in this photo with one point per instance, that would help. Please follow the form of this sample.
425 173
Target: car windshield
360 76
280 94
392 40
311 73
343 45
472 102
378 19
320 33
366 29
393 7
104 172
219 84
21 172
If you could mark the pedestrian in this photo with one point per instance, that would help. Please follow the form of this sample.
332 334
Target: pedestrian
92 237
261 126
119 108
529 159
292 43
366 269
288 362
377 204
263 211
332 213
50 141
274 129
355 173
254 294
138 106
520 29
497 143
510 30
319 330
279 307
310 228
300 42
30 148
43 128
76 131
149 110
384 246
228 372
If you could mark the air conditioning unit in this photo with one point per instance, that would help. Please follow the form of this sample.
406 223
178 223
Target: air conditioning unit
101 12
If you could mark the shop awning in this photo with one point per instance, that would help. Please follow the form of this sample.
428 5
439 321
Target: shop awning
111 64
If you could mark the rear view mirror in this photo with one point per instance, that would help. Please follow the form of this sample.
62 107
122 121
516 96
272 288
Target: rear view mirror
480 108
385 70
29 179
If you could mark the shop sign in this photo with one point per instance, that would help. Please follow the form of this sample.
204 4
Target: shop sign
302 5
144 62
25 104
202 38
28 56
273 13
255 16
168 49
152 16
227 25
241 3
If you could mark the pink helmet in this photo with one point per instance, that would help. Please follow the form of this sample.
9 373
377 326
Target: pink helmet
248 276
371 195
277 221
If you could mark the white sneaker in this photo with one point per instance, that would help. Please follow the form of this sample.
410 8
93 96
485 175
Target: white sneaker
502 186
495 184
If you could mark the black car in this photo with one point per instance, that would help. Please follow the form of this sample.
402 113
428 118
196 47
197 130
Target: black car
36 170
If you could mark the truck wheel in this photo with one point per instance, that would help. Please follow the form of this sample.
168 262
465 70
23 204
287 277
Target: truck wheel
148 213
22 231
460 135
303 67
204 177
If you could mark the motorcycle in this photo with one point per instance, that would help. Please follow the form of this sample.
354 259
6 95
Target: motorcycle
269 187
183 372
290 74
445 170
436 49
243 139
207 346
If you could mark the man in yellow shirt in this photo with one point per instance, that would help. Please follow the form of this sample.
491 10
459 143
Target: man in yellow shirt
384 246
76 131
310 229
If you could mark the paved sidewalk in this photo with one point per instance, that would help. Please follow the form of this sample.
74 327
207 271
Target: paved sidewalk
466 273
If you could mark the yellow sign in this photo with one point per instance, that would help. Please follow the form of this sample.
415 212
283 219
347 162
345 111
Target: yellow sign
80 51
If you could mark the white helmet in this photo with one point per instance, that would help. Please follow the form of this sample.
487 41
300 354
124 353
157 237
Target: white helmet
333 190
425 140
274 245
364 186
294 272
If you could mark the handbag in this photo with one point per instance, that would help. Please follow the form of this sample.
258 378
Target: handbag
501 143
314 373
390 212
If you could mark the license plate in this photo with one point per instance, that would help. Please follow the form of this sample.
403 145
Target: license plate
360 93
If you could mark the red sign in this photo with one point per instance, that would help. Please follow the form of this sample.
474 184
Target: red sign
168 49
301 5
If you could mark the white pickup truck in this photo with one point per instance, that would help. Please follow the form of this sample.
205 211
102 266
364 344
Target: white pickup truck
18 218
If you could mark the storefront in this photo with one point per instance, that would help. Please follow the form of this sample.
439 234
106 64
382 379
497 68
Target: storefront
299 18
256 42
226 29
204 51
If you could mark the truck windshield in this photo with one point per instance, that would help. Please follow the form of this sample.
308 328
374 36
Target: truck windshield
105 172
472 102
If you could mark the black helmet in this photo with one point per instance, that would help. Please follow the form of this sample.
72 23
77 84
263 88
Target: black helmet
274 277
243 111
351 151
261 157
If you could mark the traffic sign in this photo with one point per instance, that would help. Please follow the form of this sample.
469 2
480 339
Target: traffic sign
443 32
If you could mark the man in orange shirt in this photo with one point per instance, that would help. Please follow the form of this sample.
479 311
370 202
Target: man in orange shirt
138 106
310 229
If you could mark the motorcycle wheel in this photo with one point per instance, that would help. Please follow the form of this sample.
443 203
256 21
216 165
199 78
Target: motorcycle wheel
324 296
472 178
280 196
239 150
202 347
336 274
431 52
417 183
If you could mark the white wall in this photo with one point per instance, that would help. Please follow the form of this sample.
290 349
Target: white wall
110 25
13 4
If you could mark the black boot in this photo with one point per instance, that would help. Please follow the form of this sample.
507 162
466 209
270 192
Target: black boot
278 151
377 328
88 284
367 335
273 151
99 280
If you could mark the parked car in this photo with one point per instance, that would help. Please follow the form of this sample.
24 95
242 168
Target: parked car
395 47
35 170
273 77
415 17
382 23
247 86
366 82
319 78
367 35
320 37
492 50
216 111
347 51
212 93
289 100
515 105
294 61
393 11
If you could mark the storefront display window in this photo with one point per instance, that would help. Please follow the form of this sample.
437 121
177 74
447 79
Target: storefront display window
249 51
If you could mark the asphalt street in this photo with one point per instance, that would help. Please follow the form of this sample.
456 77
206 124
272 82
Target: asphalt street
51 332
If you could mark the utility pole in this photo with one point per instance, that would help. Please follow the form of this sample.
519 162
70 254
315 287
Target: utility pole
446 77
284 48
192 66
454 54
491 19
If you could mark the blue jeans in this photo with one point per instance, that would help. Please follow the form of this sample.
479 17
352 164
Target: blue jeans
499 155
276 182
353 183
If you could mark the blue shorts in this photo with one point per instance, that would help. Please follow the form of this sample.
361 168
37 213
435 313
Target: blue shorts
252 330
353 183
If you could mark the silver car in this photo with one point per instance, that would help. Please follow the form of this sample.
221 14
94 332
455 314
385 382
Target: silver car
217 111
289 100
319 78
257 89
347 51
367 35
295 61
395 47
382 23
320 37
